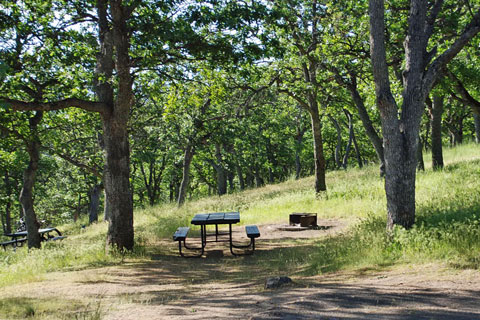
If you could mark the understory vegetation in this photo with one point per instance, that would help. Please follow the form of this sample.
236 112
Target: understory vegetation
447 228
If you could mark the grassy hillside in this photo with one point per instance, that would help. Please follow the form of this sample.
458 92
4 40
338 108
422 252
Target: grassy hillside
447 229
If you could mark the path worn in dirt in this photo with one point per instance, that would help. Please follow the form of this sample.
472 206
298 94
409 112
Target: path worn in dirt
233 288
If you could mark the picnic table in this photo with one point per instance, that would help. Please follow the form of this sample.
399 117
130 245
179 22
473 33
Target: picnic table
19 237
218 218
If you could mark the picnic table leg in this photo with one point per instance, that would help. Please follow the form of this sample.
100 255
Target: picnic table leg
231 240
216 232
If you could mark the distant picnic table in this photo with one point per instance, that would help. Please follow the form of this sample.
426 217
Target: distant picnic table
20 237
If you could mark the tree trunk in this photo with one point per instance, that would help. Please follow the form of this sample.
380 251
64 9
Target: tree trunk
8 190
231 184
258 179
241 180
117 165
350 140
220 170
26 195
320 184
420 162
118 195
436 135
367 124
300 132
353 140
249 179
456 133
94 204
298 149
338 147
476 119
187 160
400 137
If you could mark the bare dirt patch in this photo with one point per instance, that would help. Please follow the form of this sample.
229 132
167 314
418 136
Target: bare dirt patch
233 288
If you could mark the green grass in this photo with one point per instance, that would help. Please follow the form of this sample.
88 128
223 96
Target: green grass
447 228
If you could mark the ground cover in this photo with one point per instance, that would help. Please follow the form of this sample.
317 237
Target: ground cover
437 260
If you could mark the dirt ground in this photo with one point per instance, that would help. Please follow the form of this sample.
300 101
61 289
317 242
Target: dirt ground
170 287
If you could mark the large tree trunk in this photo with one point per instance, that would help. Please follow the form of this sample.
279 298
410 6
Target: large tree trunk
476 119
117 183
400 137
320 184
117 164
26 195
436 125
187 160
102 81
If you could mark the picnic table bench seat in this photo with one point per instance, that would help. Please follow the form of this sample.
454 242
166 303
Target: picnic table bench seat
181 236
13 243
252 232
57 238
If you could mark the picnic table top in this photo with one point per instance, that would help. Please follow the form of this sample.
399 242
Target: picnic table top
24 233
216 218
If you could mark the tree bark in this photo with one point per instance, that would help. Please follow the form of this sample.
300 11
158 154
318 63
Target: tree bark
187 160
436 135
26 194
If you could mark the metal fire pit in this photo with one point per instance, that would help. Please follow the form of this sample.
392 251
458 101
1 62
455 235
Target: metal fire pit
303 219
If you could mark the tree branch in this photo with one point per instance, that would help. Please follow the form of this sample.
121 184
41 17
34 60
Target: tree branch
441 61
466 96
91 106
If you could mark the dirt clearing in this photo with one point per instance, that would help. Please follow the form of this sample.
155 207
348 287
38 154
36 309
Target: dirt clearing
169 287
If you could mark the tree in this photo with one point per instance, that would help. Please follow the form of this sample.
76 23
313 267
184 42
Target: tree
114 40
299 23
400 126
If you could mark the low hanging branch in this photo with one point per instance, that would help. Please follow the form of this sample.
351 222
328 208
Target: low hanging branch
466 97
